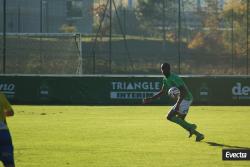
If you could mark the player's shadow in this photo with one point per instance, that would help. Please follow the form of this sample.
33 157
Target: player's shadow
214 144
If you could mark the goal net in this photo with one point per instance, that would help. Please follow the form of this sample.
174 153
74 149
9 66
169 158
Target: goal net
42 53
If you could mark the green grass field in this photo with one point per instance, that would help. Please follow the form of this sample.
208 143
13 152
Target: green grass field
125 136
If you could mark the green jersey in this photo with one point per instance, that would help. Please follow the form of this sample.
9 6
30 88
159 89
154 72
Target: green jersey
175 81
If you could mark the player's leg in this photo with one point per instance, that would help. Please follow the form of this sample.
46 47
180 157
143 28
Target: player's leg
183 116
183 110
172 116
6 149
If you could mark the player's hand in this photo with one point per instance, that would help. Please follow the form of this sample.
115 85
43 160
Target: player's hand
146 100
9 113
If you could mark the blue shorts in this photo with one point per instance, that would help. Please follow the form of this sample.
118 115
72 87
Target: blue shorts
6 148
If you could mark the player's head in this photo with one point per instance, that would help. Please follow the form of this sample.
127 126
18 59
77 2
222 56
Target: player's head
165 69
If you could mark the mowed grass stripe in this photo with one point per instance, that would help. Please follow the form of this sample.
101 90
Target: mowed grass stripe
125 136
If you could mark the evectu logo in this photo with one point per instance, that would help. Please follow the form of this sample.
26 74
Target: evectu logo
236 154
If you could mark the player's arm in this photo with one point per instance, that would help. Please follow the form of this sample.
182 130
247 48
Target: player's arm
156 96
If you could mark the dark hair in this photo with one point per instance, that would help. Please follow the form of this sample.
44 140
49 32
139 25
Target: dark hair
165 65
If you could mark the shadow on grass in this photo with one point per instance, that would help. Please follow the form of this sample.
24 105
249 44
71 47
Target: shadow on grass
214 144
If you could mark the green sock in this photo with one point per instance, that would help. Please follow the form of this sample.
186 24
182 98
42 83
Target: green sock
196 132
181 122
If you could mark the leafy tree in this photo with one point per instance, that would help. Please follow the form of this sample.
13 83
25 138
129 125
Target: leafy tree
126 21
209 37
68 28
235 15
156 14
122 20
227 28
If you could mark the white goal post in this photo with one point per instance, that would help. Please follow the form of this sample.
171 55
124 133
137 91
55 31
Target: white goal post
43 53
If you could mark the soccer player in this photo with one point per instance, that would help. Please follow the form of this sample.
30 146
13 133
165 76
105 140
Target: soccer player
179 111
6 147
